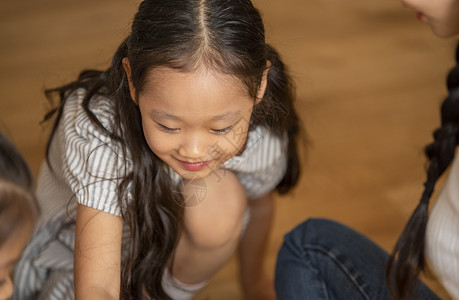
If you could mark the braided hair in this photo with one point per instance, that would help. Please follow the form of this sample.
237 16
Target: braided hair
407 259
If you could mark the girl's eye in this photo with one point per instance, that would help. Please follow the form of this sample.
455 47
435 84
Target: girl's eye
167 129
224 130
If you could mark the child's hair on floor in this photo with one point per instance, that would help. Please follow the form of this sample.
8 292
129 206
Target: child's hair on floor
18 210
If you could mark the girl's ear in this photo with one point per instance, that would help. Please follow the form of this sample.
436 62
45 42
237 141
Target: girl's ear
263 84
127 69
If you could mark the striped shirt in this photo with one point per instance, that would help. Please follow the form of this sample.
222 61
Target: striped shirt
442 234
87 167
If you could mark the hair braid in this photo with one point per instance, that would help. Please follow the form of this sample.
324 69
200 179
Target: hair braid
407 259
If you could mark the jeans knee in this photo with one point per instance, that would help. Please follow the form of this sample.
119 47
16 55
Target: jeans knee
321 225
314 231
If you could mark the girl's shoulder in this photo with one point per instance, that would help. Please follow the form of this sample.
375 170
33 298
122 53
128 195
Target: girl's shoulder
85 153
100 105
94 117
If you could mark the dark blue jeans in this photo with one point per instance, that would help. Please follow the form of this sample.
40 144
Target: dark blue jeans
323 259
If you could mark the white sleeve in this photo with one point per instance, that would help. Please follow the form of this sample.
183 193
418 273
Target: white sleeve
93 163
263 163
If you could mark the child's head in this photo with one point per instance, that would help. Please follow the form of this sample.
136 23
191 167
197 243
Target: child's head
196 69
18 211
441 15
195 121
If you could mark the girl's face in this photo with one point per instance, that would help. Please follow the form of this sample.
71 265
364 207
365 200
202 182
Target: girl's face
10 252
195 121
441 15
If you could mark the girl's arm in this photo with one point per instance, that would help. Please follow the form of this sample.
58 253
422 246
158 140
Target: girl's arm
252 250
97 254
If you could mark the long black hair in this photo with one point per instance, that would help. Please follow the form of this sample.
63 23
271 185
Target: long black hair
18 205
407 259
224 35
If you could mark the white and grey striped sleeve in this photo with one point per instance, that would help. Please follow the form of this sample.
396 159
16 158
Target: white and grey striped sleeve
93 163
263 163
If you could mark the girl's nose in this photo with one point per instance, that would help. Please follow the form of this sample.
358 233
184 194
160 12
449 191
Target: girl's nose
194 147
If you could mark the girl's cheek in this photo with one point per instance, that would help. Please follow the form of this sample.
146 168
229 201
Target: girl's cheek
406 3
416 5
234 143
157 139
160 144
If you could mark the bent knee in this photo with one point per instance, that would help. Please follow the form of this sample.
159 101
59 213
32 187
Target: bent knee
215 236
321 232
218 219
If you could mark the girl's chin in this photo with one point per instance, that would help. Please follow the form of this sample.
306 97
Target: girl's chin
444 32
195 175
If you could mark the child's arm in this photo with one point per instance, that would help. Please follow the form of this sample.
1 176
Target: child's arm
252 250
97 254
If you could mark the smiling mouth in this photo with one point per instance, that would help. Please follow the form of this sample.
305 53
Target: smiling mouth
421 16
194 166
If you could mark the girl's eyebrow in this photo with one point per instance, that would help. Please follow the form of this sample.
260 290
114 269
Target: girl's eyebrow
161 115
227 116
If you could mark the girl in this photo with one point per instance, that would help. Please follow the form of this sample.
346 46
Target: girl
438 238
161 152
18 211
338 262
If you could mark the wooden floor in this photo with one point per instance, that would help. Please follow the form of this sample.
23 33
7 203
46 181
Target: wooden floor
369 78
